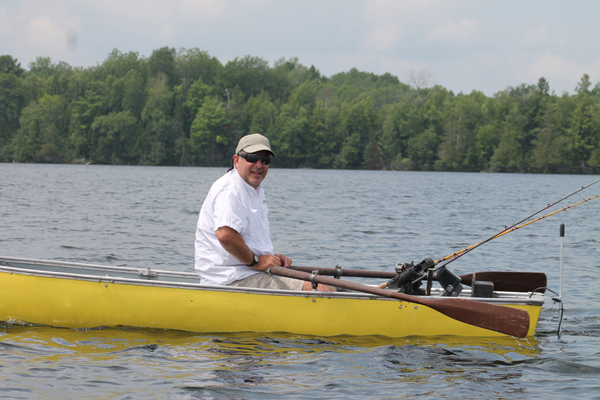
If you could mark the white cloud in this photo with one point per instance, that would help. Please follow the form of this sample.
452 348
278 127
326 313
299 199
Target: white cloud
386 21
394 9
207 8
551 66
535 37
381 38
454 32
166 33
37 29
6 27
42 32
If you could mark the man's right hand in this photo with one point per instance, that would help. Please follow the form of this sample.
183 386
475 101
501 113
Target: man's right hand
268 261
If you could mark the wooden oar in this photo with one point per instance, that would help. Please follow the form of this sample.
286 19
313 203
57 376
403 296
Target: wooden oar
506 320
504 281
347 272
509 281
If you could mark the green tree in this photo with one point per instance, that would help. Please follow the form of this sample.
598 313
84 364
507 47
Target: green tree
549 153
162 61
193 65
360 123
39 137
117 139
583 135
12 101
208 138
260 114
459 150
423 150
583 86
159 145
9 65
250 74
91 104
119 64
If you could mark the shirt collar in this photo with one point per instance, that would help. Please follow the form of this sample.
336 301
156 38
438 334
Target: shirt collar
251 191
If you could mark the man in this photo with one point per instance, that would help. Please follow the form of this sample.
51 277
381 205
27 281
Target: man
233 239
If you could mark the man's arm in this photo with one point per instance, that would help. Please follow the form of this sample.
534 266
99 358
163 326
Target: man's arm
234 244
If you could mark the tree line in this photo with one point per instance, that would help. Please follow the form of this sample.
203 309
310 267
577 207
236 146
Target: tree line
186 108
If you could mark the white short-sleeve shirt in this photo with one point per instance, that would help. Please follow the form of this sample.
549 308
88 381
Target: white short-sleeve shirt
234 203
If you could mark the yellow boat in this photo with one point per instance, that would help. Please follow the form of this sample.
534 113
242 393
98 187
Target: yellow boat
75 295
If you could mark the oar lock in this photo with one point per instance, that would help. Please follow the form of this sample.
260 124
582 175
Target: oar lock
410 276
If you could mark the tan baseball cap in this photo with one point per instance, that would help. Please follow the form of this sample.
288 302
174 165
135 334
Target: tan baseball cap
253 143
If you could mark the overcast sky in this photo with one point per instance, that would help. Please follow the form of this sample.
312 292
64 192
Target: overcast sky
466 45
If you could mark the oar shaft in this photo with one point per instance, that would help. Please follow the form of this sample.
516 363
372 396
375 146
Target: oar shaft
339 272
506 320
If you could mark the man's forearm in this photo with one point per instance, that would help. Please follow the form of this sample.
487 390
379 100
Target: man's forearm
234 244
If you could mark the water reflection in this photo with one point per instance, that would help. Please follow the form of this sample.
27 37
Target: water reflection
278 363
58 341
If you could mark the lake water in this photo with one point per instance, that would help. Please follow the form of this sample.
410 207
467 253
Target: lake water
146 216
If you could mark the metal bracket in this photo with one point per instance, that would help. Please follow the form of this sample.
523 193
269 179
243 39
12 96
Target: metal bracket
147 272
338 272
312 279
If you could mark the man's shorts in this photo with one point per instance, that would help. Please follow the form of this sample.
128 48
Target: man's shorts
263 280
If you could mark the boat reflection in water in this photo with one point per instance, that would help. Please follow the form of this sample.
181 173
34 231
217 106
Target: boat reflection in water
115 362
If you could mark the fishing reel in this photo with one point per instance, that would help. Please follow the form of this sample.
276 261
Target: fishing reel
408 279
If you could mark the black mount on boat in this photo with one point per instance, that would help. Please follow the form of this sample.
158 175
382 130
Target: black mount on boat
410 276
407 279
449 281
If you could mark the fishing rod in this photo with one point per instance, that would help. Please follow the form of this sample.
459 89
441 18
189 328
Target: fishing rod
462 252
506 229
556 202
416 272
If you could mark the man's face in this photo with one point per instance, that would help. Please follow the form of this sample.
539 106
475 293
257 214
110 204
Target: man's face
252 173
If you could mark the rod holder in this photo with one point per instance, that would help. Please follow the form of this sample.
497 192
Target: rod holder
562 235
560 302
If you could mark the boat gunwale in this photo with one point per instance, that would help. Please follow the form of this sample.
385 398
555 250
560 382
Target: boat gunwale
504 298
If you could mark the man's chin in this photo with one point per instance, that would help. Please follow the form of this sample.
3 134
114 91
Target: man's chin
256 180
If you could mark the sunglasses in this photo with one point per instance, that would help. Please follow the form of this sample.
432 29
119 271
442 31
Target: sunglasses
253 158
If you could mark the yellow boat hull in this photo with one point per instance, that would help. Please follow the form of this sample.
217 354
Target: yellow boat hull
109 301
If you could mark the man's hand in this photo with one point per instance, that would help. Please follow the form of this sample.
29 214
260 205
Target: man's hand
285 261
232 241
268 261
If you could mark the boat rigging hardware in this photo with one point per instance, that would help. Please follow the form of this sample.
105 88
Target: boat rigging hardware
338 271
430 272
449 281
558 299
409 277
312 279
147 272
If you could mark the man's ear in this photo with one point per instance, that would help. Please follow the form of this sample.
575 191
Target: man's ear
236 159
